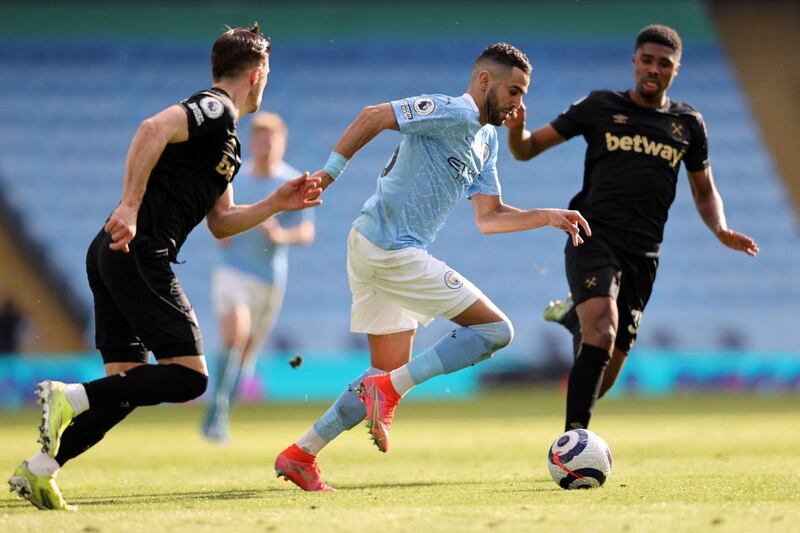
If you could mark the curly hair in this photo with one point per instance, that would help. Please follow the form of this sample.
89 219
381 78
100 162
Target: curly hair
659 34
238 49
506 54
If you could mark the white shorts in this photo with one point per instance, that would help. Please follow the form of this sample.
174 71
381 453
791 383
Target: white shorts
231 288
393 290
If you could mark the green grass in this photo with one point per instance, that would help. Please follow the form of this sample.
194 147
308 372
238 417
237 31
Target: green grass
721 463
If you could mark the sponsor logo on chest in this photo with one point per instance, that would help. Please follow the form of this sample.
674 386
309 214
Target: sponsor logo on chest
642 145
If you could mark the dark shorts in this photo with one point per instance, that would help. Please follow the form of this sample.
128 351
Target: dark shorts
139 305
596 268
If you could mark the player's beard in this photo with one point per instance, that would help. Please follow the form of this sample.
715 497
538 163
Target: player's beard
494 115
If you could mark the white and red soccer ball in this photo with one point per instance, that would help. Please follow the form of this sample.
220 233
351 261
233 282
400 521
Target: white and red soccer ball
579 459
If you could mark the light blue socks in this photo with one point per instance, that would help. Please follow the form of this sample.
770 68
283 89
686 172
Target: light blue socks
346 412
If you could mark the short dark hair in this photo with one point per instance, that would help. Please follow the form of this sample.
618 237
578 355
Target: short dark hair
506 54
659 34
238 49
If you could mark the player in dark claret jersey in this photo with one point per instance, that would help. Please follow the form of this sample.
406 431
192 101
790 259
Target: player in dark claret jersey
178 171
636 141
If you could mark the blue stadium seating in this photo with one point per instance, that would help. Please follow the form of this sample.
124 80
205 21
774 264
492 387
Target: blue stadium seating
69 110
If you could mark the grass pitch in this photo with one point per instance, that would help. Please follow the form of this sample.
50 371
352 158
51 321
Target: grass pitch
711 463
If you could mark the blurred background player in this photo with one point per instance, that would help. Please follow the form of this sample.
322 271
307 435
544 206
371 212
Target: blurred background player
636 140
448 150
249 285
179 170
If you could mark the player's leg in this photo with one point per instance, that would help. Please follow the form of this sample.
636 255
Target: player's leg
152 303
390 331
485 329
436 290
594 274
298 462
598 317
230 297
638 276
266 303
611 373
34 479
563 312
256 319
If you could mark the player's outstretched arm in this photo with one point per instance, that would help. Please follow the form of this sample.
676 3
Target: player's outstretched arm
226 218
301 234
709 205
367 125
153 135
493 216
525 144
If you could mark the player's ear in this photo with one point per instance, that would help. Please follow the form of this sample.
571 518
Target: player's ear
484 77
255 75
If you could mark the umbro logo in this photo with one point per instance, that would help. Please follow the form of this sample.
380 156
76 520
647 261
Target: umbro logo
620 119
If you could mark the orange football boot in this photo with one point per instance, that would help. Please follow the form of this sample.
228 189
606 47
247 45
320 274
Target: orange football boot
301 468
380 399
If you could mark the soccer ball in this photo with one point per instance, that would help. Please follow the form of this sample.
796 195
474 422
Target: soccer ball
579 459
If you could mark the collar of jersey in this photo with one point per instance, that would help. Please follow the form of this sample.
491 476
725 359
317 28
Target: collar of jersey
468 97
221 92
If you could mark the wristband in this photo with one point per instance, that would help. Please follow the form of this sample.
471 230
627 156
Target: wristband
335 165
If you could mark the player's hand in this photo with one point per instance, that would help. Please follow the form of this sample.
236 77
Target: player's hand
121 226
274 231
325 179
738 241
569 221
298 193
516 120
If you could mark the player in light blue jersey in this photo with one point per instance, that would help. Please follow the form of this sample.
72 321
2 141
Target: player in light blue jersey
448 151
248 286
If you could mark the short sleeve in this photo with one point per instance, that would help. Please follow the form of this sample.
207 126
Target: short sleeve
428 115
697 156
208 115
575 120
487 182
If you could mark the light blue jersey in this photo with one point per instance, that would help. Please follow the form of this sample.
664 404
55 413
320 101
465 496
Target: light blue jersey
252 251
445 153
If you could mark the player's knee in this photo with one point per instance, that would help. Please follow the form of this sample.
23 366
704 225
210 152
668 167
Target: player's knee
601 333
192 383
497 334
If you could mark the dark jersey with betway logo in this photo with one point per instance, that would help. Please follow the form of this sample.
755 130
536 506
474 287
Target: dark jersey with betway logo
190 176
632 162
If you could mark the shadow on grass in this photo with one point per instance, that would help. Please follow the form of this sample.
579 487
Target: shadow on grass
517 486
118 499
236 494
192 496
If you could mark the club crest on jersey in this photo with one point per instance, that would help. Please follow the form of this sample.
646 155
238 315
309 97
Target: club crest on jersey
453 280
212 108
677 131
424 106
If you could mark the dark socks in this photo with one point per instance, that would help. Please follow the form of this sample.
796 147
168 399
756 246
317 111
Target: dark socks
87 429
146 385
584 385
